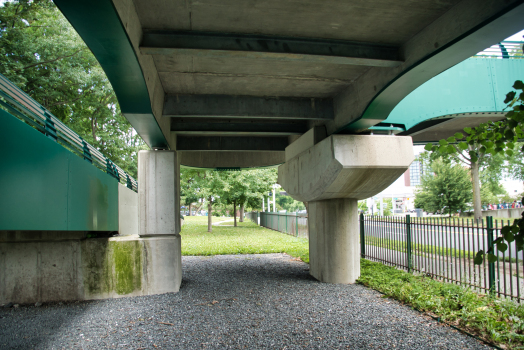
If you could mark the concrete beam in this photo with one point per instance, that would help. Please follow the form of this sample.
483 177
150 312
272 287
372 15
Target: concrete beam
346 166
228 159
305 142
237 127
265 47
248 107
231 143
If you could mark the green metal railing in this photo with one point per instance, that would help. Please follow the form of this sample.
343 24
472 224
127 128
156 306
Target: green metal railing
444 249
19 104
505 49
294 224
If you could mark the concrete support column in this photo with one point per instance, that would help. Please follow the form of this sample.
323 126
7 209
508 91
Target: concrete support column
159 218
334 253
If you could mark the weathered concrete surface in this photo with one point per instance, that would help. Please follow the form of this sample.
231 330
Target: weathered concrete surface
501 213
346 166
334 252
305 142
56 266
158 193
225 159
127 211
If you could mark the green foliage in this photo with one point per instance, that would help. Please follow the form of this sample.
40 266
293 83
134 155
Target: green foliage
285 202
495 320
447 188
362 206
43 55
388 206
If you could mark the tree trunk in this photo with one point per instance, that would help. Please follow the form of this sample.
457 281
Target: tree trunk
475 180
209 220
199 207
235 213
241 213
190 205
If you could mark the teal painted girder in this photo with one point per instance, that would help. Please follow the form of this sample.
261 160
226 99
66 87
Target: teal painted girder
99 25
475 85
45 187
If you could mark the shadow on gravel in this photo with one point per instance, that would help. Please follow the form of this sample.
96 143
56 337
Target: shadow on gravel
233 302
31 327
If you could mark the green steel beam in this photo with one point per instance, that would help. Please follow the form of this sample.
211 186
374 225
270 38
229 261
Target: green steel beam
476 85
99 25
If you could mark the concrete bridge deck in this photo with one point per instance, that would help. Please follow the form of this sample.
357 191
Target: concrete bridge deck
234 302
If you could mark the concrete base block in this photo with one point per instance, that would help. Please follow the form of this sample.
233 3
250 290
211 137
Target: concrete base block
43 269
334 253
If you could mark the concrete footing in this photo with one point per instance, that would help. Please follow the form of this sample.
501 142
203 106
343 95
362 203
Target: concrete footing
58 266
334 251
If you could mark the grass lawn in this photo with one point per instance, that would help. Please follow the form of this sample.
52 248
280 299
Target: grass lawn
493 319
247 238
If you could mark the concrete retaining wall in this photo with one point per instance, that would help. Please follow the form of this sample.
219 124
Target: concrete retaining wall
127 211
501 213
56 266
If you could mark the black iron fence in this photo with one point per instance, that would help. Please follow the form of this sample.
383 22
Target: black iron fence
441 248
444 248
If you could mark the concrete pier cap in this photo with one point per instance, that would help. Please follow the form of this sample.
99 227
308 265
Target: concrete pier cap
332 175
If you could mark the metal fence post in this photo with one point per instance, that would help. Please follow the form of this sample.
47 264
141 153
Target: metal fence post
491 266
50 129
286 224
362 237
296 226
408 241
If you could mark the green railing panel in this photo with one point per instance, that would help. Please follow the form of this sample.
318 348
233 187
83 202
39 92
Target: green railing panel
46 187
475 85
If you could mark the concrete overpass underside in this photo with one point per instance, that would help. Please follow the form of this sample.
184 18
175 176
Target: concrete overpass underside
247 84
237 77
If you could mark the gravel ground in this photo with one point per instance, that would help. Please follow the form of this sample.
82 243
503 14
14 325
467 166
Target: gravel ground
233 302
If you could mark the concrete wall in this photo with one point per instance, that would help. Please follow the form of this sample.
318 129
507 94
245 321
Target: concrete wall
127 211
500 213
55 266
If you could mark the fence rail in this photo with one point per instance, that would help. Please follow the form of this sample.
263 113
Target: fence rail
505 49
440 248
19 104
294 224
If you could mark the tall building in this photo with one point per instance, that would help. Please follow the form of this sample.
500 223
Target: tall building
413 176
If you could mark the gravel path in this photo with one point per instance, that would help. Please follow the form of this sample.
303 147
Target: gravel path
233 302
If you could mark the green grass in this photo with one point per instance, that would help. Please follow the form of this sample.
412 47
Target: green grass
493 319
247 238
426 249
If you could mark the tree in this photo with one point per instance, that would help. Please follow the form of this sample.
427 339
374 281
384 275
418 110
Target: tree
287 203
482 144
44 56
446 189
497 138
247 187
